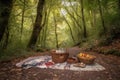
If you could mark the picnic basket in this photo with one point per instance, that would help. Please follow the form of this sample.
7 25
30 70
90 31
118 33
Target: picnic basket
59 57
86 58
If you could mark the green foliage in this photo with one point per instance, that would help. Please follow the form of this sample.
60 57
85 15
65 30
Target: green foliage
68 15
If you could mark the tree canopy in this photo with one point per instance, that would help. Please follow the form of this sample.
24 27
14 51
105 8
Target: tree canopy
63 23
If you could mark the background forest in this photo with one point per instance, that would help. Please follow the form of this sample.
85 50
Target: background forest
48 24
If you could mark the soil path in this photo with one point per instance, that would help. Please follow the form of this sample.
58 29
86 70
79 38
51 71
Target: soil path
8 70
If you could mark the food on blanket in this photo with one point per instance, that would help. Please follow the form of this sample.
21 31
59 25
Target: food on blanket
49 63
82 65
85 55
72 60
86 58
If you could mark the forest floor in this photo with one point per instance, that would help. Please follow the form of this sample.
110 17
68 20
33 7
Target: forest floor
8 70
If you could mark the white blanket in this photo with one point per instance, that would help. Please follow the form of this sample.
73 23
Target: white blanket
46 62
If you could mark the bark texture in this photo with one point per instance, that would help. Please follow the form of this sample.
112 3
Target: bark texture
37 26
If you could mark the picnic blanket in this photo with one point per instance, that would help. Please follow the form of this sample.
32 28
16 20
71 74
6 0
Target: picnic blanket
46 62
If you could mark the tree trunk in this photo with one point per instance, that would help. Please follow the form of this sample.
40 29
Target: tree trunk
69 28
43 30
101 15
37 26
45 34
78 15
22 21
6 8
83 20
72 16
119 7
94 17
91 19
46 28
56 35
6 40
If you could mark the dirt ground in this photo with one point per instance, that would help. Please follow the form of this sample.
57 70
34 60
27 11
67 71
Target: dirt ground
8 70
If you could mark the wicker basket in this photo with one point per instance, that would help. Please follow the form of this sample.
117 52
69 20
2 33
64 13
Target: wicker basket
59 57
87 60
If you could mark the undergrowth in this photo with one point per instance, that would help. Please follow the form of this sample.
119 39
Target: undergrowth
10 54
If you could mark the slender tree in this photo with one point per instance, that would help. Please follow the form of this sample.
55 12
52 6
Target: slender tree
101 15
37 26
46 27
42 36
69 28
73 17
56 35
94 17
83 19
22 20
